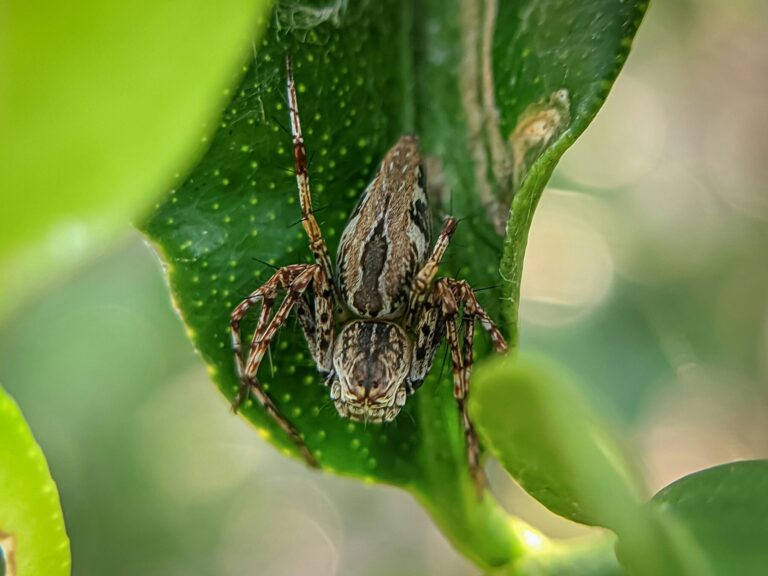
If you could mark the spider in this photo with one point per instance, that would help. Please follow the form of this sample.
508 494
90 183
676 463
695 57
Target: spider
374 325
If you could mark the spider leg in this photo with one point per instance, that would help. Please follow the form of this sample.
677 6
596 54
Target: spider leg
422 280
309 222
318 323
450 310
452 294
295 280
266 294
306 319
472 310
428 330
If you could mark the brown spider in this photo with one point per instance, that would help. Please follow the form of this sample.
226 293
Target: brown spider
391 317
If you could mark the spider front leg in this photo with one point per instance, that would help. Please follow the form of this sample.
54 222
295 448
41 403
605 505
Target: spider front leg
450 312
317 322
424 277
308 220
428 330
439 317
317 329
454 293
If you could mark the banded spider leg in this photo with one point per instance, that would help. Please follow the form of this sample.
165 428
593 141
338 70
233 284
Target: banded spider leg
295 281
436 314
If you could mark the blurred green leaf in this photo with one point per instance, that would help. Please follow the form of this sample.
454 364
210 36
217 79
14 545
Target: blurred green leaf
100 103
535 422
532 418
367 73
33 541
726 510
589 556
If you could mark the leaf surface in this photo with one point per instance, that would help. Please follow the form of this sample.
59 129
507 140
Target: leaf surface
726 510
535 422
542 431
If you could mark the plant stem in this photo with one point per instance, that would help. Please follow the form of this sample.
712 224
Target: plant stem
481 531
590 556
479 528
505 545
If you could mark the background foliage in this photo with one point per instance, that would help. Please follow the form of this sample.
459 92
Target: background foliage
100 105
652 313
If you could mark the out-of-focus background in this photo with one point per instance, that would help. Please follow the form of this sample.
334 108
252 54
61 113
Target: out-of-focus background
646 276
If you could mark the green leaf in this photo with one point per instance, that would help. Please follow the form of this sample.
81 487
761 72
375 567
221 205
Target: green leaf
541 430
572 44
535 422
726 510
100 103
33 541
240 204
367 73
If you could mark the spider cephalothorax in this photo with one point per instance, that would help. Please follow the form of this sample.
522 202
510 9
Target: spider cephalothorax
393 314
